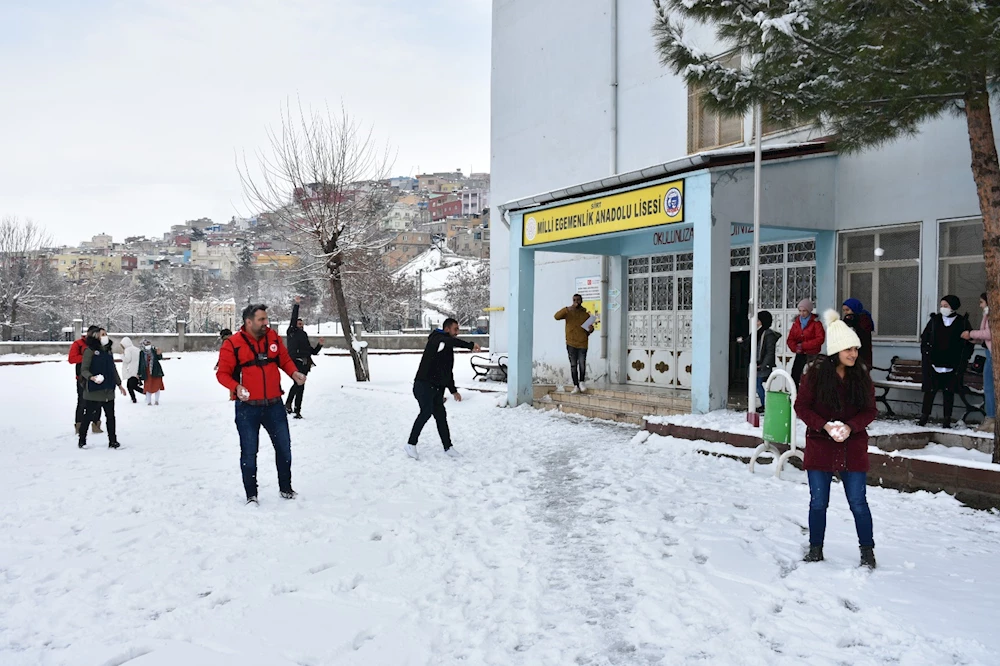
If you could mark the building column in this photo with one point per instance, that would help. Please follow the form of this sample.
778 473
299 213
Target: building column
710 322
520 319
826 272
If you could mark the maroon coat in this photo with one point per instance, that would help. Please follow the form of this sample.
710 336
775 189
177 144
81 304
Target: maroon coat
822 453
811 338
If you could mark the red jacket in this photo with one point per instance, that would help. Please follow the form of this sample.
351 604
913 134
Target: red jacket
822 452
261 378
76 353
811 338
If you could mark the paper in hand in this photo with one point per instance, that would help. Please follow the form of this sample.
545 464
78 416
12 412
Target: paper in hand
590 322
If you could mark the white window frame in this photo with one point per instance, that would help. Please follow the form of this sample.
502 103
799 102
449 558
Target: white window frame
874 265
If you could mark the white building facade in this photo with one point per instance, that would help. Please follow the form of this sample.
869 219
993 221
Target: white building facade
587 124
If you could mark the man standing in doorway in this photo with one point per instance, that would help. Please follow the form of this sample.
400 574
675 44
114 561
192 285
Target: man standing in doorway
434 375
577 339
248 366
301 351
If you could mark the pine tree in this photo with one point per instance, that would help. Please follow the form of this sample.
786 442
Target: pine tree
245 283
871 71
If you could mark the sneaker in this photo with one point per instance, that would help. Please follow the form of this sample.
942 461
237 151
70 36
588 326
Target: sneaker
289 494
583 387
452 453
987 424
576 389
80 445
411 450
297 416
815 554
113 445
253 500
867 557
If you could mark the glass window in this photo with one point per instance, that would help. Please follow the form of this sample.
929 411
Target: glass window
706 128
888 283
962 270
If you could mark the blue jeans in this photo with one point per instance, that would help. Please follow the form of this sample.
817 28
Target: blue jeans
249 419
760 391
819 500
989 392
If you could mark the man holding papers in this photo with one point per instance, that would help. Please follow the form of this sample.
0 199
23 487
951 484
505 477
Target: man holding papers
579 326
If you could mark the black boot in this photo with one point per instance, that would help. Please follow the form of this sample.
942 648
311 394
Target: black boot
867 557
922 421
113 445
815 554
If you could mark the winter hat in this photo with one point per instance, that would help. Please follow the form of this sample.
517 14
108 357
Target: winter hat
806 304
839 336
953 301
765 319
857 307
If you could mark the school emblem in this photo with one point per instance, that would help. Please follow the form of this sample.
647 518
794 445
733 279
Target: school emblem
530 229
672 202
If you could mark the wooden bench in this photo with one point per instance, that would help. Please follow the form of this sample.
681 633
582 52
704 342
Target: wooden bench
908 375
484 366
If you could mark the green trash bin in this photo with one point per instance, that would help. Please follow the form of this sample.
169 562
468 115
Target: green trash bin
777 427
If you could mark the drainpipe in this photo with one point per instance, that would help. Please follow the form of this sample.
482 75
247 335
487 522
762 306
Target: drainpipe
613 113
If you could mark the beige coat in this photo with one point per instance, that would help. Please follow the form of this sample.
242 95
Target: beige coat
576 335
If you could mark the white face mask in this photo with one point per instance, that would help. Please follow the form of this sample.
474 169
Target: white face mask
946 312
986 310
105 340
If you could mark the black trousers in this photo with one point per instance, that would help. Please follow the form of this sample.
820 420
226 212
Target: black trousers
80 405
577 364
944 382
799 365
92 413
431 401
133 387
295 393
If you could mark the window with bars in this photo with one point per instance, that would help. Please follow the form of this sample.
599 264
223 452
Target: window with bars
706 128
961 268
887 284
739 257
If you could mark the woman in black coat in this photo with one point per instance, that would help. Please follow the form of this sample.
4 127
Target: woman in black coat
944 355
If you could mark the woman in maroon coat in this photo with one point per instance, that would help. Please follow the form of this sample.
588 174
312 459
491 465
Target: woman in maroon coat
836 401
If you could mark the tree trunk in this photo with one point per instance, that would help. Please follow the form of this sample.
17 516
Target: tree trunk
986 172
337 287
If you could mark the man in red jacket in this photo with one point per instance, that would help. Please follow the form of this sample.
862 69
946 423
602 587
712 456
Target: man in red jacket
249 365
76 358
805 338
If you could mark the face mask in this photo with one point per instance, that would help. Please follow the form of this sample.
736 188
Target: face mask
147 347
986 310
946 312
105 340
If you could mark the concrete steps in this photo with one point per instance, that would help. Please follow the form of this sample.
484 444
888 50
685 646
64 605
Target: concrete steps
615 404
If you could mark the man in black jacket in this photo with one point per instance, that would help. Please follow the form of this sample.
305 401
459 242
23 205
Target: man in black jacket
434 376
301 351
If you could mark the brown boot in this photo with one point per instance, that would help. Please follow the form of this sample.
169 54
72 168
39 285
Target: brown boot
96 427
76 428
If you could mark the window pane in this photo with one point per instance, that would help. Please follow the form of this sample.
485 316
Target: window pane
860 248
900 245
772 254
859 286
639 265
801 284
962 239
708 126
638 294
730 130
685 291
897 301
739 256
801 251
663 293
772 292
685 262
663 263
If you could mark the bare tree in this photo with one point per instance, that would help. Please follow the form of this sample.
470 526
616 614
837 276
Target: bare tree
374 293
22 261
469 292
323 179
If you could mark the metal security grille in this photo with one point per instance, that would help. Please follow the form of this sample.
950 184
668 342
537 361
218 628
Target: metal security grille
660 299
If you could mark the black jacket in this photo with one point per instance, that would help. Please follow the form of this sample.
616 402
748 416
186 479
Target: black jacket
943 346
438 360
297 341
767 347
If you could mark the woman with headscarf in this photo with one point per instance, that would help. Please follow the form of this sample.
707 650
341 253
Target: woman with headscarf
805 338
944 355
151 372
861 321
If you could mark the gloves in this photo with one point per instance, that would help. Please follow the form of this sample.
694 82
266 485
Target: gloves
97 379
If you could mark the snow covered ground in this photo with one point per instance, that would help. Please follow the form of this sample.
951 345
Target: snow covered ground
552 540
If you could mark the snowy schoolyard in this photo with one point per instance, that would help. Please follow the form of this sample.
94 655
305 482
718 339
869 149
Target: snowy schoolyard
550 541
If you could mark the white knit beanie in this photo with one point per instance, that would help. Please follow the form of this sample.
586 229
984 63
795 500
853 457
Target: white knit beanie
839 336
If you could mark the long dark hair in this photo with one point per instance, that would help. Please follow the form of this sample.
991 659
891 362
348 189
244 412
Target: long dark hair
826 380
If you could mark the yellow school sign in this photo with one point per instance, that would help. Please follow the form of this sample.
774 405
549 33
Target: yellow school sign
646 207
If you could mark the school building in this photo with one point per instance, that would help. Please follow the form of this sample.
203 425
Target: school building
610 178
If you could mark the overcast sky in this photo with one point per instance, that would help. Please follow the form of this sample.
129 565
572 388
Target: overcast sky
123 116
